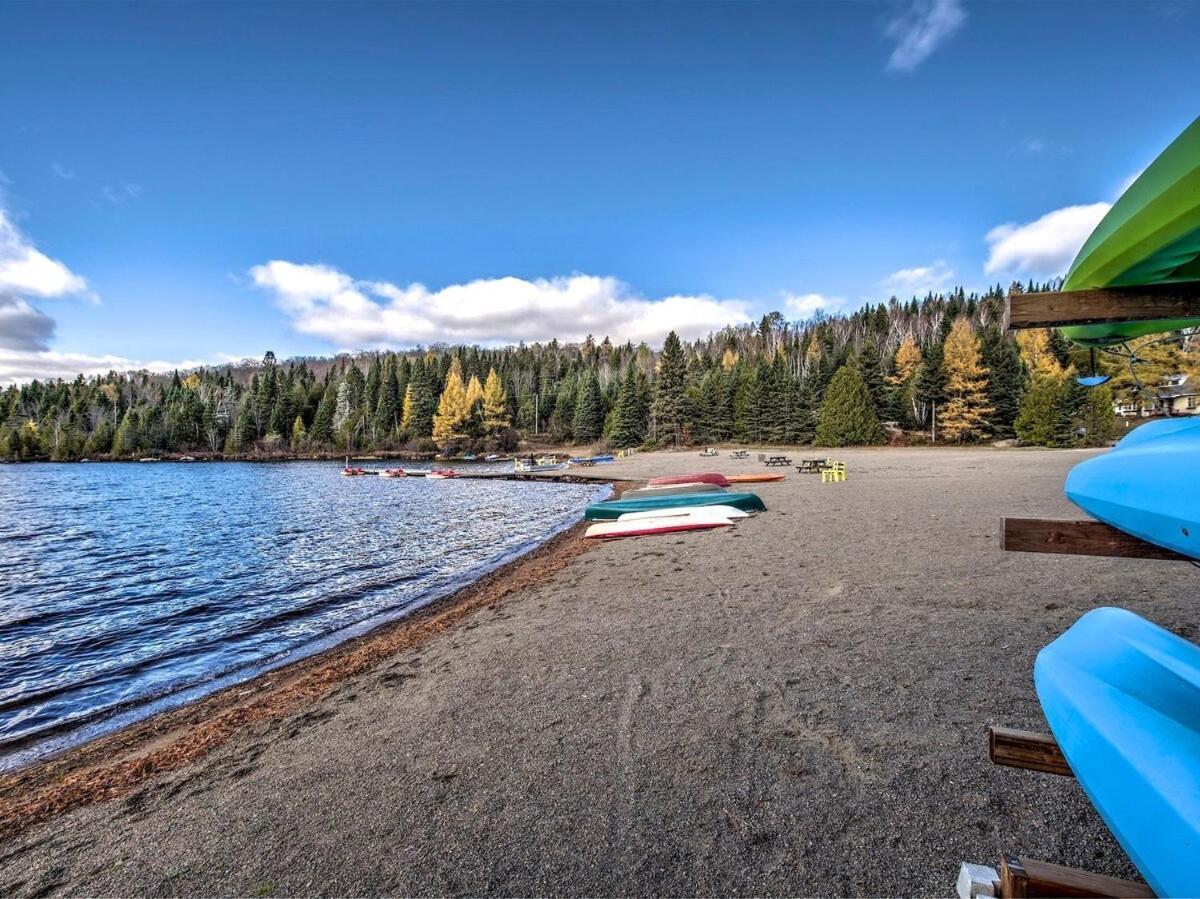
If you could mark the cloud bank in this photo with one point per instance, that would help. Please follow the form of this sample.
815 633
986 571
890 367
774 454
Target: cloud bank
1044 247
804 306
923 27
351 313
918 281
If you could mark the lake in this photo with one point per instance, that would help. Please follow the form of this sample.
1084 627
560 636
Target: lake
129 588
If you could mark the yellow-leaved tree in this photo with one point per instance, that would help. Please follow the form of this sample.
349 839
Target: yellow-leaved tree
903 379
453 409
963 416
474 393
729 359
495 404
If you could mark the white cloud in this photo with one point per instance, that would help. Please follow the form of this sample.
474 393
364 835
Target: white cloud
806 305
121 193
18 366
26 270
61 171
350 313
1045 246
920 29
918 281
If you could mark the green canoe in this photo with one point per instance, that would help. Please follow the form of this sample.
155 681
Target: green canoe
747 502
1151 236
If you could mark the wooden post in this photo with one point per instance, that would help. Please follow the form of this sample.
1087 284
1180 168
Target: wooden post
1090 307
1081 538
1024 749
1027 877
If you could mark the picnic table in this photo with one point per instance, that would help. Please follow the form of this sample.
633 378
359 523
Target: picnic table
739 454
777 460
811 466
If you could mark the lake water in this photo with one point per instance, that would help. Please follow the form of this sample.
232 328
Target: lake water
128 588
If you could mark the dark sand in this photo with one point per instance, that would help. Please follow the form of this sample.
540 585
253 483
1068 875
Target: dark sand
793 706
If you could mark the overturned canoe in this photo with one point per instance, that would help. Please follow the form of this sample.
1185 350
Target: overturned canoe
671 490
704 477
1146 485
1150 236
693 511
1122 697
747 502
764 478
648 526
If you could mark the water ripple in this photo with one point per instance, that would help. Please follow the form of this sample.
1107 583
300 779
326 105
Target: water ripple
124 584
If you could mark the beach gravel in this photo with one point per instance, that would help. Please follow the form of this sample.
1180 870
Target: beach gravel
796 705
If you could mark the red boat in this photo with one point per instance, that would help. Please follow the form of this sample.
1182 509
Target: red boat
707 477
442 473
349 472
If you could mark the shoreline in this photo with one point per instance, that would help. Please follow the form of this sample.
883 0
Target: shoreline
113 765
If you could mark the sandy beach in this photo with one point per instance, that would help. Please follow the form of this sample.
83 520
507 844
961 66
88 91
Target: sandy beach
796 705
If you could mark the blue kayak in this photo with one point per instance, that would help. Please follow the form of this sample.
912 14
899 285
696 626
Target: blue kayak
1122 697
747 502
1147 485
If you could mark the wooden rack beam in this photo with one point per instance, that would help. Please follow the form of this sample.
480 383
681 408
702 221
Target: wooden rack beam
1028 750
1090 307
1027 877
1080 538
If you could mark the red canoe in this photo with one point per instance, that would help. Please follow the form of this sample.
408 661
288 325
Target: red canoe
707 477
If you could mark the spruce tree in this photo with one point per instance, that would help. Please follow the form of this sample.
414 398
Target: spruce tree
870 369
847 417
387 407
670 402
589 410
930 384
322 426
1006 380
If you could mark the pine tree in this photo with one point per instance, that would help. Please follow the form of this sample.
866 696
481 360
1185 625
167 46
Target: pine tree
930 384
846 417
495 404
1096 418
1006 380
670 402
870 368
322 427
387 407
964 416
629 423
588 420
452 410
125 440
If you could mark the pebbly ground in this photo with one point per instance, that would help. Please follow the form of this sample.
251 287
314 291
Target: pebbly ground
793 706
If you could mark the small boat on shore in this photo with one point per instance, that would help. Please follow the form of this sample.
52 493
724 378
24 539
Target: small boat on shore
613 509
693 511
442 474
670 490
531 465
764 478
648 526
393 473
704 477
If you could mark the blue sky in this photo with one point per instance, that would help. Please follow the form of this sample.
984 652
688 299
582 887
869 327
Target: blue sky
187 182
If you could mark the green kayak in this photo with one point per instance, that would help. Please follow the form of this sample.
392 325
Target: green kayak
747 502
1151 236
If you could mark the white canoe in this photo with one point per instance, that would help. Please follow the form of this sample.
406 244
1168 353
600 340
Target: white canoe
721 512
647 526
670 490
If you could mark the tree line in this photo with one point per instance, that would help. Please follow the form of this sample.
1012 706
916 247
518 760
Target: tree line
937 368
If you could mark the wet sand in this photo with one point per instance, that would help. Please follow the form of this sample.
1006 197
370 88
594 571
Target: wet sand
794 706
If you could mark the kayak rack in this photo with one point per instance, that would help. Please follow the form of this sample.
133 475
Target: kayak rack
1055 309
1085 537
1018 876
